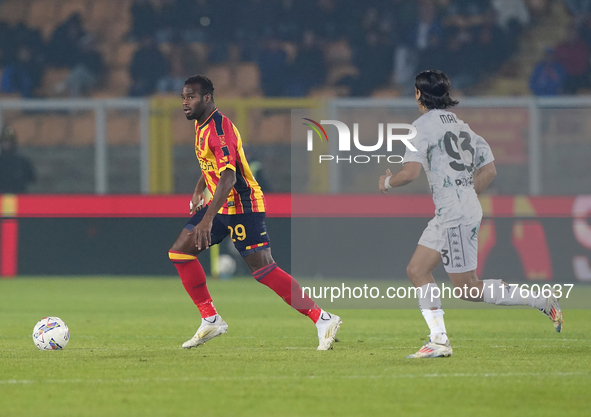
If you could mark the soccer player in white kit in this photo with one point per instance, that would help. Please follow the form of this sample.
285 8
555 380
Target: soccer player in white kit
459 166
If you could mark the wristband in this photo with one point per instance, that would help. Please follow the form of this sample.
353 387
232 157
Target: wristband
198 205
387 182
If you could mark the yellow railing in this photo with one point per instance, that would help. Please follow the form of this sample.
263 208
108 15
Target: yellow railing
161 147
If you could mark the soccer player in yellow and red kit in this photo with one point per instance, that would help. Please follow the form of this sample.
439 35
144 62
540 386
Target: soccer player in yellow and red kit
237 209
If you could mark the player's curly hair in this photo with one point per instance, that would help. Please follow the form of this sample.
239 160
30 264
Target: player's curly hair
203 81
434 86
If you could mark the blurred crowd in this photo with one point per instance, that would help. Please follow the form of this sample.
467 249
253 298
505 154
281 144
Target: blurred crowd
566 66
24 57
385 41
298 45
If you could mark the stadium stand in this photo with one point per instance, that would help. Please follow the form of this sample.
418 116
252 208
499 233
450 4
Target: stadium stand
230 57
285 21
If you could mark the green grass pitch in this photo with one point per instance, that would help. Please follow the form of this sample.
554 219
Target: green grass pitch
124 357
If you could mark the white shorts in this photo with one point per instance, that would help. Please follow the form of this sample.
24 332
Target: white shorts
458 246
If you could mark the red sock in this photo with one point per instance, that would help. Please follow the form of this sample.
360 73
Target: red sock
193 278
285 287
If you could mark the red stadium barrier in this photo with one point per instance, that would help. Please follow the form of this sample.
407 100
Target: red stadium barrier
538 244
279 205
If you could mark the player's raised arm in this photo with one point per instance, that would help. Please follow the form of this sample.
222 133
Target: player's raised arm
408 173
484 176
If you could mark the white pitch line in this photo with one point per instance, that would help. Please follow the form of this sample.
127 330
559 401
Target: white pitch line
279 377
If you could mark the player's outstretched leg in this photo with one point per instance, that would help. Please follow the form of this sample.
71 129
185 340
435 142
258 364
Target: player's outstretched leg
193 278
495 291
285 285
438 345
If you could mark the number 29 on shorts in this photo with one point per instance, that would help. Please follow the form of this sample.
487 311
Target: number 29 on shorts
237 233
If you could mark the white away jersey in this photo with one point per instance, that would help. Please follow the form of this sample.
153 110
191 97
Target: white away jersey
450 153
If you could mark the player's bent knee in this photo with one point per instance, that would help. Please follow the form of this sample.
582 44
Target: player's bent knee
184 243
179 248
413 271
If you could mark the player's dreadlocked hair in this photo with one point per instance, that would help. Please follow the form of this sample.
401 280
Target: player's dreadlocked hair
434 86
203 81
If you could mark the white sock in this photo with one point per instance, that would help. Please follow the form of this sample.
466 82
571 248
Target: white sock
434 319
433 313
426 298
498 293
323 318
211 319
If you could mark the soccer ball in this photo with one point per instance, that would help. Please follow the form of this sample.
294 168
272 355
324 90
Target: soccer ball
226 266
51 333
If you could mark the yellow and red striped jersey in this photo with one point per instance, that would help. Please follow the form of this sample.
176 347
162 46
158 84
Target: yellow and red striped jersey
218 146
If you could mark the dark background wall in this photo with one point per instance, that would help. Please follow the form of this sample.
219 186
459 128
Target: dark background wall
382 247
331 247
119 246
